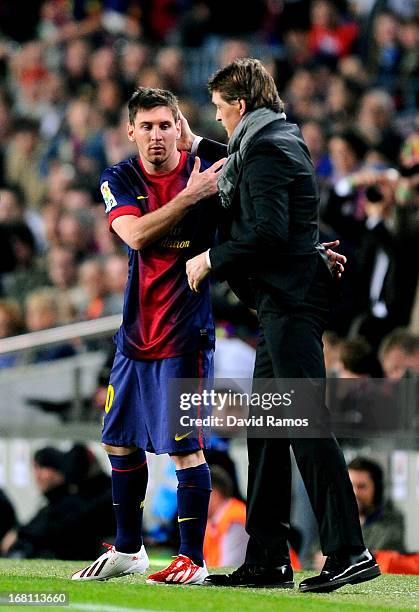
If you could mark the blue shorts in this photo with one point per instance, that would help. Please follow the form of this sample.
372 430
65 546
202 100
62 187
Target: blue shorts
137 410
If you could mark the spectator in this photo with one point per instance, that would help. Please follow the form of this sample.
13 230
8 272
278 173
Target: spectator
13 208
26 273
342 204
11 324
99 302
231 49
7 513
353 69
170 65
360 405
79 142
375 123
314 136
331 349
407 191
77 198
30 71
44 309
341 98
109 100
384 54
23 161
386 286
75 231
382 525
75 63
105 243
225 537
399 354
193 25
55 532
303 103
86 478
116 274
102 65
11 320
330 35
409 63
62 275
135 56
59 176
356 359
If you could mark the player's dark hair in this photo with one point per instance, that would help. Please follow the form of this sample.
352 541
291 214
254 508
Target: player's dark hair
375 471
247 79
149 97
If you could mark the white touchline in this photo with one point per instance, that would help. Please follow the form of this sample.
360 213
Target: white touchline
102 608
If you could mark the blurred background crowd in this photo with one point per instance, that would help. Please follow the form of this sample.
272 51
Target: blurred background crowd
349 74
348 71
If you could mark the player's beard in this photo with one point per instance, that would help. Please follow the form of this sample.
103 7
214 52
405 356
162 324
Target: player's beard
158 160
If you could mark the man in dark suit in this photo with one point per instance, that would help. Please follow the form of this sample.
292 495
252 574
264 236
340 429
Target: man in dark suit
271 254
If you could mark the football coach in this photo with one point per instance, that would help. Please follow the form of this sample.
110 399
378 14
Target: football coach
271 253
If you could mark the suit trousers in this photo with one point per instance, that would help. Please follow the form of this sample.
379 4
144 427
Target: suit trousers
291 347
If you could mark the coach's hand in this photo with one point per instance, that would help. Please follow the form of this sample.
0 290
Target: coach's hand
337 261
197 269
185 141
203 184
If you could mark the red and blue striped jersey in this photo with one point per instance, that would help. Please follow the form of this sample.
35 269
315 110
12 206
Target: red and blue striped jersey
162 317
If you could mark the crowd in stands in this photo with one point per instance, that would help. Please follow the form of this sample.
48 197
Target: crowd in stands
348 72
76 516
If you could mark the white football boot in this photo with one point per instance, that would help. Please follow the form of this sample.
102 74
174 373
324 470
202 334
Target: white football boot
113 564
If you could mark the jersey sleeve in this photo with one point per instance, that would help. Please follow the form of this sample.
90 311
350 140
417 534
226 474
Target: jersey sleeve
211 150
118 198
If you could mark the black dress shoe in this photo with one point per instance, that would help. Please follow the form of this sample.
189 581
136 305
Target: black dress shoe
341 569
255 576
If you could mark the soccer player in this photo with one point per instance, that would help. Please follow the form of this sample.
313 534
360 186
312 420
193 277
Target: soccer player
164 209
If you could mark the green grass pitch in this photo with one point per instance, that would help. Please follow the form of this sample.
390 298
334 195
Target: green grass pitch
131 593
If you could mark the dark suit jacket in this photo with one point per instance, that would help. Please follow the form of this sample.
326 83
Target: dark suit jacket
269 240
399 283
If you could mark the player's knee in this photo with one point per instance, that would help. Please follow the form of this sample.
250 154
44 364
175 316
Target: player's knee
119 450
184 461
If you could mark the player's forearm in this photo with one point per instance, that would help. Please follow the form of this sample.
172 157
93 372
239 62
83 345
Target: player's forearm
149 228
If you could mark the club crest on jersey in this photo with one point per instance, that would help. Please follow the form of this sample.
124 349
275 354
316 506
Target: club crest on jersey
108 196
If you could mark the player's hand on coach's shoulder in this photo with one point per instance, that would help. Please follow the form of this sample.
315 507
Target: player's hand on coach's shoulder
203 184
